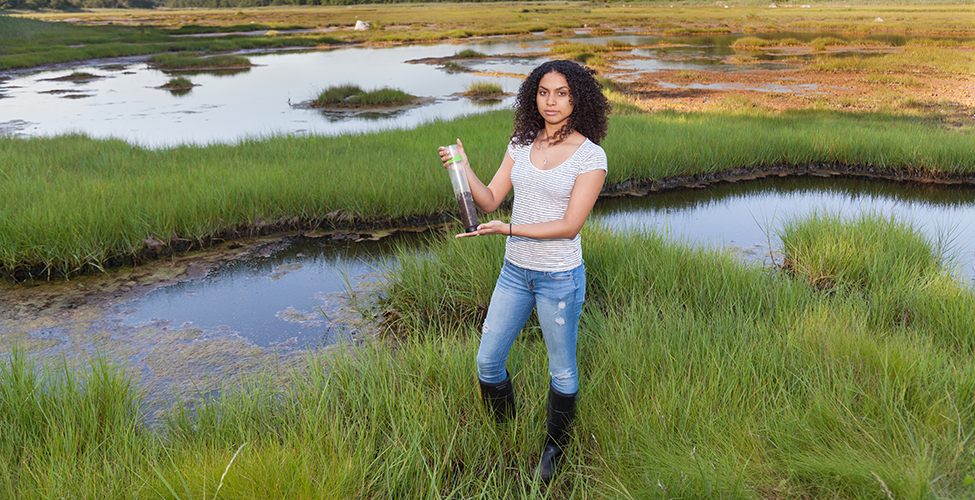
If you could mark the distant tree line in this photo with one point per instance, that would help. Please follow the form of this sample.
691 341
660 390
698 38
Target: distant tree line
148 4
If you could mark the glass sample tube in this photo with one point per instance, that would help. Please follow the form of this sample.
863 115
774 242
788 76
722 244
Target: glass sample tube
462 190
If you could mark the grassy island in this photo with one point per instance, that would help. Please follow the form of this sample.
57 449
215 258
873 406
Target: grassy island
177 84
197 62
351 96
484 90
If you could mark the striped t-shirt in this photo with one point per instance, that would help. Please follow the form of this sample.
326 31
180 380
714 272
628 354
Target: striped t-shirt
543 196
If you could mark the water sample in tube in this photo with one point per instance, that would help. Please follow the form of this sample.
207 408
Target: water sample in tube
462 190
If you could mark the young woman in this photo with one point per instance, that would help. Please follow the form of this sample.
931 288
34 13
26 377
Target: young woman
556 169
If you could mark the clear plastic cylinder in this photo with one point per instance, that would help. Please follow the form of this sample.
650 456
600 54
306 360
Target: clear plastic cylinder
462 190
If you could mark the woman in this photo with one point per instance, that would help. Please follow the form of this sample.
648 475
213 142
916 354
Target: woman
556 169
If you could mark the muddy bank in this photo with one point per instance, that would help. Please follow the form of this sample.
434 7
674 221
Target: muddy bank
337 226
641 188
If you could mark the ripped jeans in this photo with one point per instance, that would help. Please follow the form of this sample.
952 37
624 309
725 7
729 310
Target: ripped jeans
559 297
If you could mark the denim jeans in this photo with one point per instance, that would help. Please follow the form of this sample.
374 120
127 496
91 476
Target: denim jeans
559 297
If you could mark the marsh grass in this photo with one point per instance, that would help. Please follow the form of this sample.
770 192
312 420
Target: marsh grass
469 54
696 31
193 61
352 96
755 42
178 83
112 196
619 45
453 67
716 380
902 277
484 89
575 48
559 31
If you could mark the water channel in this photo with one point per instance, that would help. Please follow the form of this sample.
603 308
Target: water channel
177 328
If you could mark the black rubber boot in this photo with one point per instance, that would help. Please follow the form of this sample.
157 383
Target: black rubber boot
561 411
499 398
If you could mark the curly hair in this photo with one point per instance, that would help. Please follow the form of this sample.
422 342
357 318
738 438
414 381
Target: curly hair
590 109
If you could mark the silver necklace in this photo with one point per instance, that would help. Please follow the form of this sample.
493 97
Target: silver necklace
546 156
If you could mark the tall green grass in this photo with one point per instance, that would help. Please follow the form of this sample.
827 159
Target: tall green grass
71 202
701 377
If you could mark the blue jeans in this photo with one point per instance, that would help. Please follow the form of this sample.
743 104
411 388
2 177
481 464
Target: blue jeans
559 297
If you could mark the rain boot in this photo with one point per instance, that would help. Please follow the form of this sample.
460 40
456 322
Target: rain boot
499 398
561 411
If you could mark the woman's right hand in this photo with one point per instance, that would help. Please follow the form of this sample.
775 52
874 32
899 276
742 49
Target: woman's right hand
445 154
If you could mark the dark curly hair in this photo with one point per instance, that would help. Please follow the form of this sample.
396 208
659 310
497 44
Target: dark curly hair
590 109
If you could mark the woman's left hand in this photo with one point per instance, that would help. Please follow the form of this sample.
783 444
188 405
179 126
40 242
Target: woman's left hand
493 227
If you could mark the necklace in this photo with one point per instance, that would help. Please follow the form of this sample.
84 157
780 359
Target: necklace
546 156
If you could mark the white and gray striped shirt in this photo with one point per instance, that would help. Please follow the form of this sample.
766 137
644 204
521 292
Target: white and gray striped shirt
543 196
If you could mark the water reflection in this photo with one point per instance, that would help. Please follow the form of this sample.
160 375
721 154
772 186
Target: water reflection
294 295
749 215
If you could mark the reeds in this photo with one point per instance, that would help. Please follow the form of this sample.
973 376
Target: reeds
71 202
701 377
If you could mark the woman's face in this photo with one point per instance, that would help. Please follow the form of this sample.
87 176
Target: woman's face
553 100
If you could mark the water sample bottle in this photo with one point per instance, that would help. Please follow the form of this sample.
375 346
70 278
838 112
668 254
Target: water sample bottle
462 190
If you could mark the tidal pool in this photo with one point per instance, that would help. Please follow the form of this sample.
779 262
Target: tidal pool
747 216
